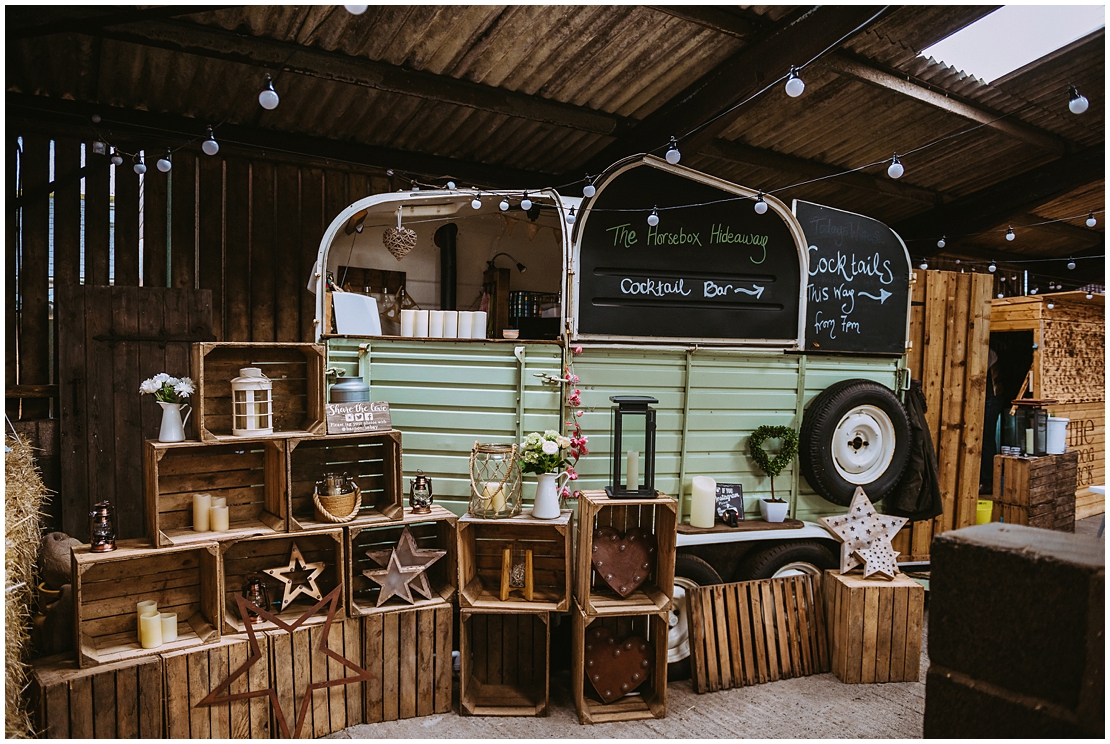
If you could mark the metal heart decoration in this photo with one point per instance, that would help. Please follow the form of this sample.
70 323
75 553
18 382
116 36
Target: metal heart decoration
623 562
399 241
616 669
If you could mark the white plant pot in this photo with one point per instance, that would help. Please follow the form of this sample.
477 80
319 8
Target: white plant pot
773 511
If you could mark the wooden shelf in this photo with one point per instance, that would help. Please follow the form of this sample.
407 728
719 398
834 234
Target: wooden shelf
747 525
505 663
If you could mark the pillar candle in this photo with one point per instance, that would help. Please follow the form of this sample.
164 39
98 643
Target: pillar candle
1029 442
169 626
219 501
144 607
632 471
435 323
218 518
478 329
202 502
703 501
150 630
451 324
495 495
421 330
408 323
466 324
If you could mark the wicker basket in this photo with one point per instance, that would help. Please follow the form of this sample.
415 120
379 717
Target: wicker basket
338 509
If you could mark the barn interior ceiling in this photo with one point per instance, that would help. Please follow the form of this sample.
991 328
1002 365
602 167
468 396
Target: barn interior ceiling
536 95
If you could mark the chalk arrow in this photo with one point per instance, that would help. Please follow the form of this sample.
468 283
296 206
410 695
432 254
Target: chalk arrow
758 291
883 294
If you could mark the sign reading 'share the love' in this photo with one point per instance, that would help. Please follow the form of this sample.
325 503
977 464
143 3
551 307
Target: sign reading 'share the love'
349 418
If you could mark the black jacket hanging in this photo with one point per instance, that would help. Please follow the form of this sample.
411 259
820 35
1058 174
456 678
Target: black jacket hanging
917 495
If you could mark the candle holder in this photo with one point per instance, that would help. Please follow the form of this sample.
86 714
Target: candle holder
494 481
252 404
102 528
420 494
633 421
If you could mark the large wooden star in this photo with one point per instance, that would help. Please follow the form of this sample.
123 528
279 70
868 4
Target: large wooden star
294 586
863 534
408 554
249 611
394 579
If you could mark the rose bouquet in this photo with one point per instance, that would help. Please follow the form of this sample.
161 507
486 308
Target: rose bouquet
547 453
167 389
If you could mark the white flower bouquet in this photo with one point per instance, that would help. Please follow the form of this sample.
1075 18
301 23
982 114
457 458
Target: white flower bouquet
167 389
546 452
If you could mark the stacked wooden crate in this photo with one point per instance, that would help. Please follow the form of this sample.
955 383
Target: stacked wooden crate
1036 491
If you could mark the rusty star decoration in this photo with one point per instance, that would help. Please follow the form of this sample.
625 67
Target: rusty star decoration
306 586
409 555
245 610
865 536
394 579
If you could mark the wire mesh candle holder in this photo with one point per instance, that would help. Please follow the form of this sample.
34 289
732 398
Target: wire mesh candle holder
495 482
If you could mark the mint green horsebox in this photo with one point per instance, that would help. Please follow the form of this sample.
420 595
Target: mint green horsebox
731 316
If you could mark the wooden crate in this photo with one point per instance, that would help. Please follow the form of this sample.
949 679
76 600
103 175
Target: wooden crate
297 371
431 531
481 546
107 586
874 627
372 459
250 474
297 662
248 557
127 697
505 663
657 516
650 699
192 674
409 655
1087 438
752 632
1036 491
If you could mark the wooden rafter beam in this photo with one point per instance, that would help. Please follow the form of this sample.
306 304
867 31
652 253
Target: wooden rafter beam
35 21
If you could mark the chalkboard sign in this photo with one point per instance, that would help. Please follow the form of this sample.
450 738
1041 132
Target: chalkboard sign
349 418
857 291
730 497
712 269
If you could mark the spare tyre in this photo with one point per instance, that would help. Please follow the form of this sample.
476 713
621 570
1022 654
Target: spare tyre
854 434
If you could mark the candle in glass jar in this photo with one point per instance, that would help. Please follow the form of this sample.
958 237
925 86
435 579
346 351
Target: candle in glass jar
703 499
450 324
169 626
466 324
202 502
218 518
1029 442
494 493
145 607
150 630
632 471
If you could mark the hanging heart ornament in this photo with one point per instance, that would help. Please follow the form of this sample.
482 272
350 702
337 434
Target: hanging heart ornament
616 669
399 241
623 562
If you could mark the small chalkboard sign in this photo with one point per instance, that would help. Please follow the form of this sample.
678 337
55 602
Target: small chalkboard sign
351 418
730 501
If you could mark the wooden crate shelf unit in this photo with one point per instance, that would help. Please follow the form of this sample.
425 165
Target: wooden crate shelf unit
647 701
1036 491
107 586
434 531
408 654
482 543
127 696
250 474
372 460
657 516
249 557
505 663
297 372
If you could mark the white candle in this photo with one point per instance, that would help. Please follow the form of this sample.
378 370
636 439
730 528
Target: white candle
219 501
703 501
450 324
478 329
408 322
435 323
145 607
150 630
218 518
1029 442
169 626
202 502
632 471
421 330
466 324
495 495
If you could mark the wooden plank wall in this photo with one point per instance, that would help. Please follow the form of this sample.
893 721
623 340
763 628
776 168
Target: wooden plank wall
950 333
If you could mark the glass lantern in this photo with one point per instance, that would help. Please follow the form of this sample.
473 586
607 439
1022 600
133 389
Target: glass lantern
252 404
495 491
632 435
102 528
420 494
255 592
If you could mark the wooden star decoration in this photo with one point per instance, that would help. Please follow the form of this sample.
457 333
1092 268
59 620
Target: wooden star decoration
878 559
249 611
408 554
394 579
297 564
865 535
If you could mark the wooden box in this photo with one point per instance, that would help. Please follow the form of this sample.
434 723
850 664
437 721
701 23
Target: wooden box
192 674
657 516
372 459
649 700
409 655
505 663
435 531
1036 491
127 697
874 627
248 557
250 474
297 371
481 546
107 586
297 662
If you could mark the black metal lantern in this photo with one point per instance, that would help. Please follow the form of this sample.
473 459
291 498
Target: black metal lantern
102 528
256 592
420 493
633 426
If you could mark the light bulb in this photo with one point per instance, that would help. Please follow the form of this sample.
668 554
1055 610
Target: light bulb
1033 291
268 98
1052 304
504 205
356 9
210 146
1090 296
1010 233
1001 278
1077 103
1071 265
165 163
588 190
414 186
924 265
100 148
570 216
1000 296
895 170
673 155
140 166
941 243
992 268
653 218
477 203
794 84
760 205
450 185
117 159
1091 221
525 203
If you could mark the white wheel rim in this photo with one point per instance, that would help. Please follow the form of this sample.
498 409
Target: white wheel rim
863 445
797 568
678 637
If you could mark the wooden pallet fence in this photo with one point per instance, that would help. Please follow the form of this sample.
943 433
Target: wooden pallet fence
250 474
409 655
107 586
297 372
1037 491
112 701
482 543
649 701
505 663
657 516
752 632
373 460
192 674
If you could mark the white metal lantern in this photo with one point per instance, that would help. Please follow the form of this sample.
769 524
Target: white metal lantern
252 403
